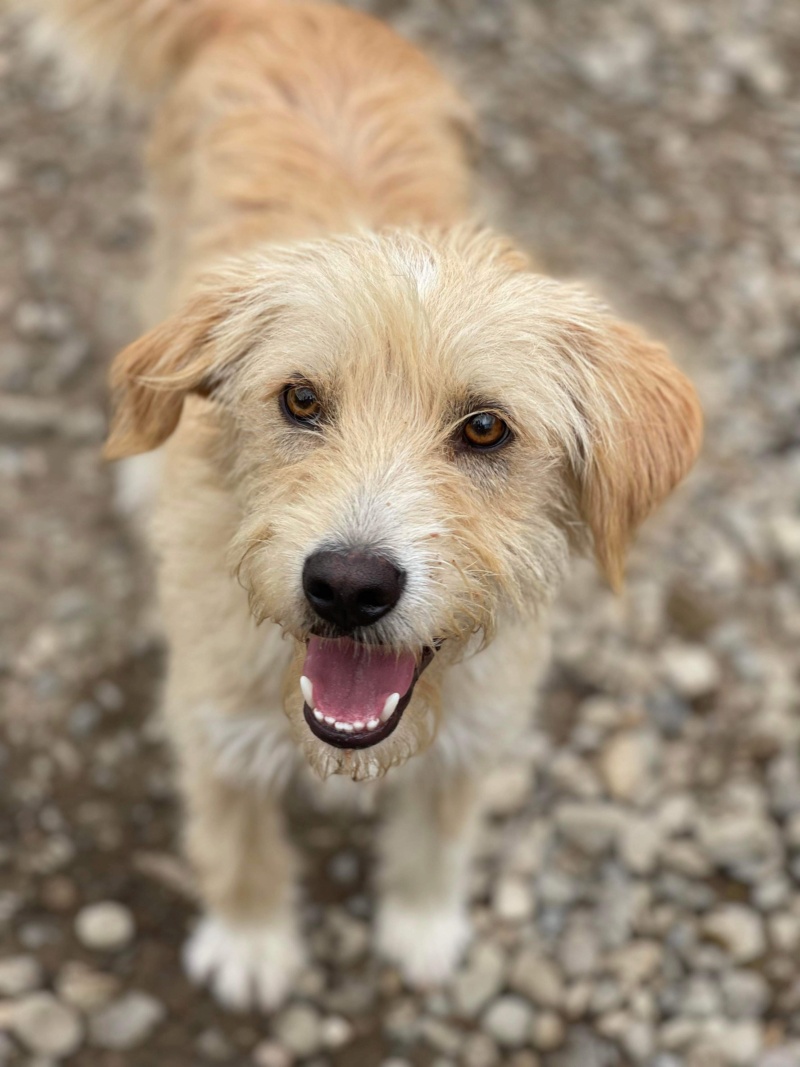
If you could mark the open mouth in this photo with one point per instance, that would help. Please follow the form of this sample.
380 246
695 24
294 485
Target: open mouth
355 694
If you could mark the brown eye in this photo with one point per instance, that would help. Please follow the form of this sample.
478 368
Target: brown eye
301 404
485 431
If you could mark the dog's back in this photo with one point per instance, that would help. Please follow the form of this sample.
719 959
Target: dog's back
274 121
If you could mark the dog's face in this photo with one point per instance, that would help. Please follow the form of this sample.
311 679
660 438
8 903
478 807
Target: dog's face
417 432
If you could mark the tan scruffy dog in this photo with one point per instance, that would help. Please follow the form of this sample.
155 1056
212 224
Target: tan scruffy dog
384 434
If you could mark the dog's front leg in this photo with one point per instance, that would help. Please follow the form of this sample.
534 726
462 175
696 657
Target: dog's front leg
247 947
426 846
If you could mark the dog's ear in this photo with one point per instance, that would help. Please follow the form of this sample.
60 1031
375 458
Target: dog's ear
644 433
151 377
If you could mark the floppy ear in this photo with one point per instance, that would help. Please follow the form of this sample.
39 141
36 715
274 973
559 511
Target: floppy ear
645 428
151 377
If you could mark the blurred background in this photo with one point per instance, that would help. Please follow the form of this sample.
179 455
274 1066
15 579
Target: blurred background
637 894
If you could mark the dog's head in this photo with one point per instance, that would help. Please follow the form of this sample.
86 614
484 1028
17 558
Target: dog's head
417 431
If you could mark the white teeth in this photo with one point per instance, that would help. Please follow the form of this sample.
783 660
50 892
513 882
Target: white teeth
373 724
358 726
329 719
344 727
317 715
389 707
308 691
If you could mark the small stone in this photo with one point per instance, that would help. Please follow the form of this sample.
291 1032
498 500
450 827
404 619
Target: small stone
547 1031
784 931
126 1022
213 1045
577 999
105 927
440 1036
739 930
746 994
691 670
592 828
525 1058
298 1029
686 858
733 840
85 988
46 1026
626 764
740 1042
537 978
271 1054
480 1051
638 1041
513 900
636 963
578 951
785 532
508 1020
18 975
335 1032
700 997
638 844
676 1034
479 980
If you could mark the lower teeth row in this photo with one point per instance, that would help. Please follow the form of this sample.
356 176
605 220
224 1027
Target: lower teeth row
389 709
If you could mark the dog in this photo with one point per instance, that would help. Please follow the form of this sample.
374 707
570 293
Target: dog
381 436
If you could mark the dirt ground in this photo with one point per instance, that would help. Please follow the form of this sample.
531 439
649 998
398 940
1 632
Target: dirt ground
638 888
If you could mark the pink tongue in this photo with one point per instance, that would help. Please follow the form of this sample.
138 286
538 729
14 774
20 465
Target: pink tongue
352 681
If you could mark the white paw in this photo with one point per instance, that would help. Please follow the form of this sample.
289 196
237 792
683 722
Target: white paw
426 943
245 965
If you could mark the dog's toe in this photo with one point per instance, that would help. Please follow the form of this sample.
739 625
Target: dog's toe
245 965
426 943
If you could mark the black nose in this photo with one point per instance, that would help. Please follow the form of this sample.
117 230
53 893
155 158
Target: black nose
351 587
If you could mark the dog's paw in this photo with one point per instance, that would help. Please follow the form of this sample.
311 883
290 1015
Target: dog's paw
245 965
426 943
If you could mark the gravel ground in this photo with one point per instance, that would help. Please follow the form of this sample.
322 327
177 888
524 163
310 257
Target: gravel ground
637 894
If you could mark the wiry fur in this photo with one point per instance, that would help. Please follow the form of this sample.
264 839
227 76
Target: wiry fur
326 155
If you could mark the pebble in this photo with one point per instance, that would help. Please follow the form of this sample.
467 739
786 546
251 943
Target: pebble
46 1026
578 951
508 1020
591 827
479 1050
440 1036
18 975
537 978
739 930
639 844
335 1032
298 1028
271 1054
213 1045
513 899
479 980
746 994
126 1022
691 669
105 927
626 764
547 1031
85 988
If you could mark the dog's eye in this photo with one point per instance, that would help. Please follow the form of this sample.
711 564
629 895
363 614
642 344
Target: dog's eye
301 404
484 431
